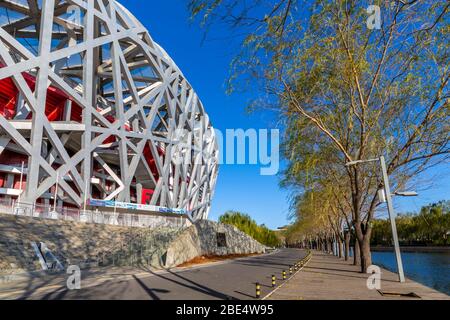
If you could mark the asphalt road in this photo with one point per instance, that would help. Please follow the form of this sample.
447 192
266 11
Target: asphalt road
233 279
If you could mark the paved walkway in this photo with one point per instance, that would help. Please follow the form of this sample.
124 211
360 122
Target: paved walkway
327 277
231 279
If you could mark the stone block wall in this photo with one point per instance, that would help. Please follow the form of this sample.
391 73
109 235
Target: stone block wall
201 239
79 243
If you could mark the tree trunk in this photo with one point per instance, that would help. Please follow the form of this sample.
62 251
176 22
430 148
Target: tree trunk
363 232
356 254
339 247
347 245
366 256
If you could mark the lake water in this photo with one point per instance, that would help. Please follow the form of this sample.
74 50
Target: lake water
430 269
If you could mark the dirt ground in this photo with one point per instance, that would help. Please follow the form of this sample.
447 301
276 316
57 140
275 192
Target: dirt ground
212 258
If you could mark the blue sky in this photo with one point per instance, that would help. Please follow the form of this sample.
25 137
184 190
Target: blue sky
206 66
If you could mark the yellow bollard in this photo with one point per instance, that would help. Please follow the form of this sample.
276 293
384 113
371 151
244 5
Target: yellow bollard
273 281
290 270
258 290
284 275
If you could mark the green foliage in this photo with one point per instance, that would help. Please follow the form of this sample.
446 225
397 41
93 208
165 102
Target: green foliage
430 227
249 226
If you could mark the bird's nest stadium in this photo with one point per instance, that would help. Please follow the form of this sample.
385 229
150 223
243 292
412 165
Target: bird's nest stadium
94 112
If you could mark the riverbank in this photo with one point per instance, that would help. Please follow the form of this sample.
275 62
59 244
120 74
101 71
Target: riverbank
423 249
326 277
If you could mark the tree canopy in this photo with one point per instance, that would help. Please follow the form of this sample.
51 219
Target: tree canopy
431 226
346 92
249 226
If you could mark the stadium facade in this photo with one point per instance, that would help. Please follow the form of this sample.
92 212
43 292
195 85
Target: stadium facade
93 110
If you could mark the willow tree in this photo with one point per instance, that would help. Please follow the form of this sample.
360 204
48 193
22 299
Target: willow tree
312 220
314 167
318 217
369 91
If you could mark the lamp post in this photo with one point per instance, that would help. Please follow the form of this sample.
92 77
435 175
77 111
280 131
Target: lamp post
388 198
387 190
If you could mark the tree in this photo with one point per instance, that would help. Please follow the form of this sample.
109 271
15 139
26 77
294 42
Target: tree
312 168
366 92
431 226
249 226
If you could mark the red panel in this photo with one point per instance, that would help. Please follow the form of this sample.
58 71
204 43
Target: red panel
77 112
17 182
2 179
12 158
54 108
8 96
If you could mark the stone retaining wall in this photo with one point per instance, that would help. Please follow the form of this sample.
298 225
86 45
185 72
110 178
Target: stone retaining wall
202 239
85 244
76 243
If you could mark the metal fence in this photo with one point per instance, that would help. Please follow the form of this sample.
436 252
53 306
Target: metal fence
88 216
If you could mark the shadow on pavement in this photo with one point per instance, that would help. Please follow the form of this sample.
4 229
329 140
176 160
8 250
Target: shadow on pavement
150 292
195 286
245 294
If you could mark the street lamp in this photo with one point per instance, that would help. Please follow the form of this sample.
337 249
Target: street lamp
388 198
382 195
352 163
406 193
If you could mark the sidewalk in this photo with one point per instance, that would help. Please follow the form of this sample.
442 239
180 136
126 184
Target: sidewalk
326 277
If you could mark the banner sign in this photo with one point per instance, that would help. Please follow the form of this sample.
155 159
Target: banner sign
133 206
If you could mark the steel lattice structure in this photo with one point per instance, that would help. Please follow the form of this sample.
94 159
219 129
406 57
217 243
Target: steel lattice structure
88 99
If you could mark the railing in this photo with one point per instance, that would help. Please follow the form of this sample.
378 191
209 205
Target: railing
89 216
